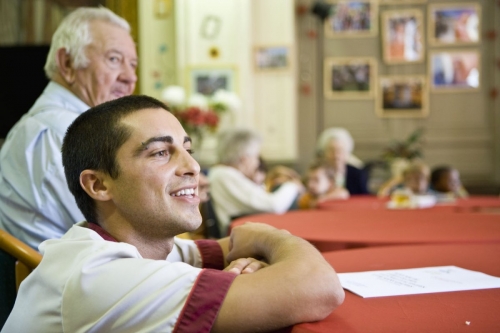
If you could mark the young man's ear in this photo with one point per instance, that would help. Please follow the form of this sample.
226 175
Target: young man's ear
94 184
65 66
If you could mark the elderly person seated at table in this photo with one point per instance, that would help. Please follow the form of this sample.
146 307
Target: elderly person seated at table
232 189
335 146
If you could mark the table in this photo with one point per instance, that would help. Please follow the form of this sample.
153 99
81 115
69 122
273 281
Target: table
438 312
478 204
333 230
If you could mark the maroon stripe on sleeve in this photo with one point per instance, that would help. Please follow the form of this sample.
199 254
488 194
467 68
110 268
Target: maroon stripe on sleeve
211 254
204 301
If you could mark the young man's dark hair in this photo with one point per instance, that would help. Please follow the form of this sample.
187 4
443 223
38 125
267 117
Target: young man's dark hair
92 140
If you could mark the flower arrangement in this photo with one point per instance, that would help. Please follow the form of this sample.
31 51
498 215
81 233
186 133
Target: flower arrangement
199 114
408 149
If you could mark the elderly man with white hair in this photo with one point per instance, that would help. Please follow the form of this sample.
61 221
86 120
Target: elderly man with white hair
335 146
232 189
92 59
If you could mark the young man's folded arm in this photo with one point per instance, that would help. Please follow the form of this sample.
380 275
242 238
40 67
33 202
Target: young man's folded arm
297 286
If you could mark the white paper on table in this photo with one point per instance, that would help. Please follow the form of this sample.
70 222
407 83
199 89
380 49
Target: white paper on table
416 281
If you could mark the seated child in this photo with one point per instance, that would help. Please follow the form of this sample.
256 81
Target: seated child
445 180
320 186
416 178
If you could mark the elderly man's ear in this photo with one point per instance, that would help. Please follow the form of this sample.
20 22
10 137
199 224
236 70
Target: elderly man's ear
65 65
95 184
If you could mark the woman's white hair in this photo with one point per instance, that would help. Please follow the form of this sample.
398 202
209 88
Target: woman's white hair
236 143
342 136
338 134
73 34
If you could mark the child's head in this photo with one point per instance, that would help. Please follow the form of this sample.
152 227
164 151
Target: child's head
416 177
445 179
320 179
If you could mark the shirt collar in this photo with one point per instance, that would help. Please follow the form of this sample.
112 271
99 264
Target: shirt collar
69 100
101 232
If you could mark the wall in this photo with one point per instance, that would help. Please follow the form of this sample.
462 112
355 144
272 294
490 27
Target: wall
222 34
462 129
157 51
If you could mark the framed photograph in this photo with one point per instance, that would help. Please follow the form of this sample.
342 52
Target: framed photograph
272 58
352 18
454 24
402 97
455 70
400 2
350 78
402 36
207 80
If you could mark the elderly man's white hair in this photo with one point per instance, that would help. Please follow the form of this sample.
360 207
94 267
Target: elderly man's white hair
236 143
73 34
342 136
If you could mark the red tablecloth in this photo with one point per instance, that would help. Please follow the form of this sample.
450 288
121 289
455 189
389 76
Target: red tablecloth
438 312
484 204
334 230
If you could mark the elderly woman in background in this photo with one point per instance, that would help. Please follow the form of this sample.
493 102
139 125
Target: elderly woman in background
335 146
233 191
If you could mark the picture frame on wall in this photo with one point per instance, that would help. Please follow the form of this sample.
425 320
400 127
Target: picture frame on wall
207 80
454 24
272 58
402 36
352 18
454 70
349 77
402 97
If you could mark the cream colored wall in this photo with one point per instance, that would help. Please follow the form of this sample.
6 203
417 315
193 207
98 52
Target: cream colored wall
157 50
269 103
275 98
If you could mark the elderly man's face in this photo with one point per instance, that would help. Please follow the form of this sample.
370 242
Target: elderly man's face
156 189
335 154
112 64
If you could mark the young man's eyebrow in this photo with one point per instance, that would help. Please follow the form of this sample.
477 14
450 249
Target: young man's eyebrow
145 145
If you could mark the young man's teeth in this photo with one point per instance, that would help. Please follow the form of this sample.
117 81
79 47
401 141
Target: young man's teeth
189 191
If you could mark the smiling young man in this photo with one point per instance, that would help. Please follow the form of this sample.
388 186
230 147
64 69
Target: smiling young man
129 165
92 59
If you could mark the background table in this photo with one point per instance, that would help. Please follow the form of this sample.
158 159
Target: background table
478 204
437 312
333 230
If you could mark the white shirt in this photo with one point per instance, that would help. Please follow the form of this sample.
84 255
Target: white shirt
233 194
35 202
88 284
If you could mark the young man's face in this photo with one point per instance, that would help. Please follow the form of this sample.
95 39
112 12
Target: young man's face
156 188
318 182
112 64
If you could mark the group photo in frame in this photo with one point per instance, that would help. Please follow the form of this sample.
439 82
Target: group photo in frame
402 36
455 70
454 24
272 58
349 77
402 97
353 18
207 80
